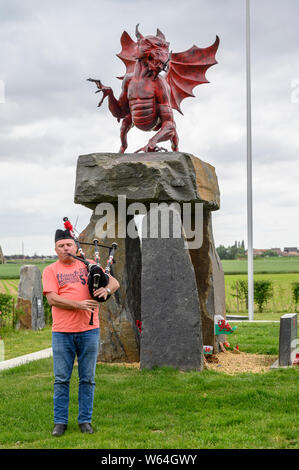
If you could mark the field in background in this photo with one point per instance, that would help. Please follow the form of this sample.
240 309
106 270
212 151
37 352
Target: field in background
281 302
9 286
281 271
12 270
264 265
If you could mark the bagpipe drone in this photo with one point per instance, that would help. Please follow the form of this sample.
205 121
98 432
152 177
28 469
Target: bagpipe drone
97 276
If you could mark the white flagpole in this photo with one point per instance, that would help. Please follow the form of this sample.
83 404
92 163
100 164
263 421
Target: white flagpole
249 170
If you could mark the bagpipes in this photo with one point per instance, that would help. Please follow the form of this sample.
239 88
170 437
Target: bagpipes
97 276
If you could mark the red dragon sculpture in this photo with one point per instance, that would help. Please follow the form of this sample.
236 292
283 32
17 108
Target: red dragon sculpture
148 97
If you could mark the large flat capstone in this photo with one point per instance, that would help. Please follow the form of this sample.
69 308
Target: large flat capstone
147 177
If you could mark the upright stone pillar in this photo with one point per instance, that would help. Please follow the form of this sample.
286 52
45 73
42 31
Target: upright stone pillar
30 298
171 324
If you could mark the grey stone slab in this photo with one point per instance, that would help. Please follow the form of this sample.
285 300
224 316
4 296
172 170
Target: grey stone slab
170 313
145 177
30 298
287 339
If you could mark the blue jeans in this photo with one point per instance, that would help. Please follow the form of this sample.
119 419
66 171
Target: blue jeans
65 347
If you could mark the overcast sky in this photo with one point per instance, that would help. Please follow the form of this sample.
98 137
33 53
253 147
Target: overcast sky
48 113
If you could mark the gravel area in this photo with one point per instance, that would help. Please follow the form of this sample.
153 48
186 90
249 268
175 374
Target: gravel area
232 362
229 362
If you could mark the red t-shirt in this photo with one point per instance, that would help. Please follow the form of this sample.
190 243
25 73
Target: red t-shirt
69 281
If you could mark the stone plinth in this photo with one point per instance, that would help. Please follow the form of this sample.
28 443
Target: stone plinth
30 298
146 179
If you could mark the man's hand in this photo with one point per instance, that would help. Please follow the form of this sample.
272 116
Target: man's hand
88 305
60 302
101 292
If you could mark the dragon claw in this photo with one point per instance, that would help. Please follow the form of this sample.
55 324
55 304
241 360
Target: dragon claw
148 148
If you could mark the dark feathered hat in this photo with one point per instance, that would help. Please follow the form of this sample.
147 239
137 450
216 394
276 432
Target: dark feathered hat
62 235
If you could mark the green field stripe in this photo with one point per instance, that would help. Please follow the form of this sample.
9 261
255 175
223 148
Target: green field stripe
13 283
6 287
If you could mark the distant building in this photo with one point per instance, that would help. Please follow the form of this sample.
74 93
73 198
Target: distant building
258 252
291 249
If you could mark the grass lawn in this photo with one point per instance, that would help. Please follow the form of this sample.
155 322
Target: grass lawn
162 408
260 338
157 409
20 342
256 338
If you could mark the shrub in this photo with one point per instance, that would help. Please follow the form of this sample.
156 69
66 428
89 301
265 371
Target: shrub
263 291
6 307
47 311
295 290
241 288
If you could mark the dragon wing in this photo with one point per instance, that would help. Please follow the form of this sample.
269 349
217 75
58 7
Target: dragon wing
187 70
128 53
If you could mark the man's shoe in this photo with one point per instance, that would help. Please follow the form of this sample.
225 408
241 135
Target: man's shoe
59 429
86 428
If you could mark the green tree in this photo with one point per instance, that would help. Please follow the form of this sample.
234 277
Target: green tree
231 252
295 290
240 291
6 308
263 291
271 253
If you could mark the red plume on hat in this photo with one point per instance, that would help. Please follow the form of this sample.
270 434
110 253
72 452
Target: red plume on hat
68 226
67 233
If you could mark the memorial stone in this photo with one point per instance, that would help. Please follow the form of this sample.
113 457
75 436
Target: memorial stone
30 299
287 339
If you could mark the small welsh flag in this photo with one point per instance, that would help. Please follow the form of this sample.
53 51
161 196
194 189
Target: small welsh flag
224 328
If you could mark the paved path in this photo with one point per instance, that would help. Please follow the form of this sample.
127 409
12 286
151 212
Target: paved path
18 361
254 321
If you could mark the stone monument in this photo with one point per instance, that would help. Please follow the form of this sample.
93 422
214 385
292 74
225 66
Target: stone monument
30 299
135 183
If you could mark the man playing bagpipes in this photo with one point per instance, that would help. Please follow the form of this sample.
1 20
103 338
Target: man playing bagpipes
75 327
